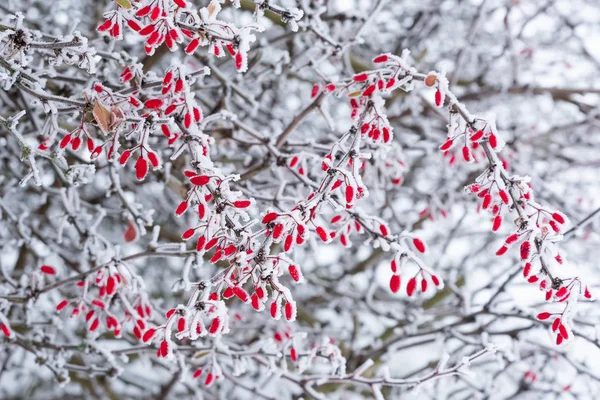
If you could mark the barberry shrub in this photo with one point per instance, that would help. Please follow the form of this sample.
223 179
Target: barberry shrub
298 199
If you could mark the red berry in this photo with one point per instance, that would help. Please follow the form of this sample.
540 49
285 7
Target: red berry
200 180
497 223
558 218
525 248
181 208
322 234
62 305
294 273
153 104
447 144
241 203
419 245
48 270
543 316
477 135
411 286
501 250
395 283
141 168
438 98
106 25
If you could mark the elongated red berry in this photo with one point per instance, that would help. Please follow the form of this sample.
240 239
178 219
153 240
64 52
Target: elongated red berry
134 25
48 270
148 335
322 234
269 217
278 231
558 218
466 153
504 196
315 91
124 157
369 91
294 273
141 168
164 348
106 25
111 285
438 98
254 301
447 144
293 354
563 331
501 250
556 324
477 135
242 203
487 200
543 316
200 180
181 208
153 159
419 245
188 234
241 293
395 283
526 269
512 238
411 286
525 248
383 229
94 324
62 305
274 311
153 104
349 194
497 223
290 311
6 330
289 240
214 326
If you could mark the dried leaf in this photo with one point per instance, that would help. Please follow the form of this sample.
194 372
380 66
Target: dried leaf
213 8
124 3
116 117
200 354
103 117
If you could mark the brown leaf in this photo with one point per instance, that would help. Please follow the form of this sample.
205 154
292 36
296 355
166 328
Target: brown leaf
116 118
103 117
